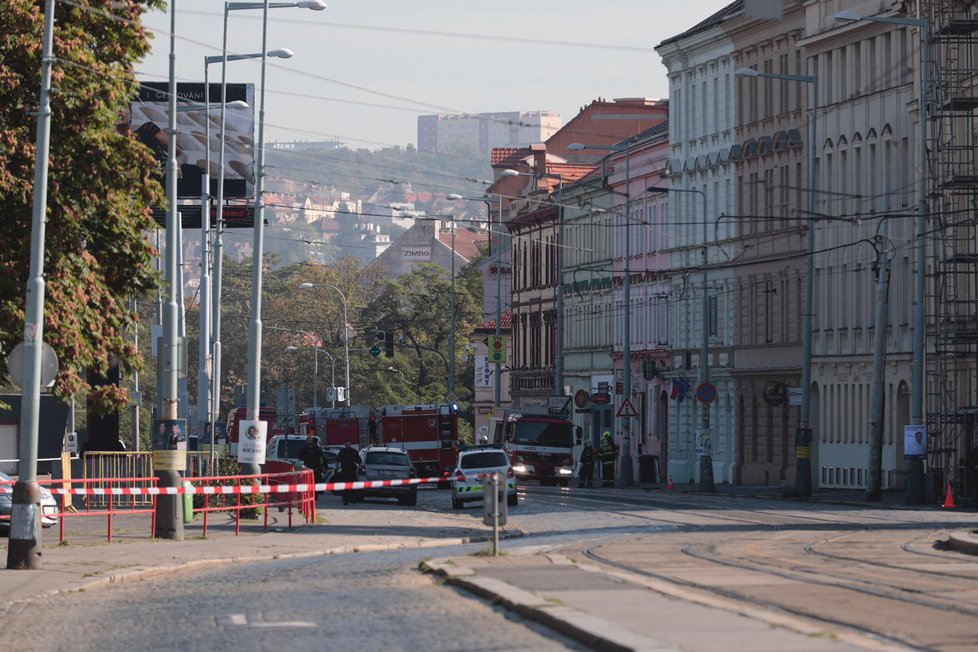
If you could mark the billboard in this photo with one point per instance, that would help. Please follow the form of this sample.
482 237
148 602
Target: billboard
148 119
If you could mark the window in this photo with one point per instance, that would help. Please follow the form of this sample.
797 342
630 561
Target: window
714 317
662 319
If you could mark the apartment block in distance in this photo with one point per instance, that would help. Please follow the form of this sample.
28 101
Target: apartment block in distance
447 132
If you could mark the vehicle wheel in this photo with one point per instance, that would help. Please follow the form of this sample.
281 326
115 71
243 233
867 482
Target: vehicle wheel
513 500
456 503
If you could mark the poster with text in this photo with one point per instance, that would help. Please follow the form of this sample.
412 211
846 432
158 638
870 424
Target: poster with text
251 442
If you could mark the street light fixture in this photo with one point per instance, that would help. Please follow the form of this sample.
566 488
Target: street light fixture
346 336
803 436
706 455
496 389
915 479
627 472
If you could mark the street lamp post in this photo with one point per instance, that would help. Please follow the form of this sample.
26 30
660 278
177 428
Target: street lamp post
315 373
803 436
210 292
915 479
451 335
24 550
346 337
627 472
706 454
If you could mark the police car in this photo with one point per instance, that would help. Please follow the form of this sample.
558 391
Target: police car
471 472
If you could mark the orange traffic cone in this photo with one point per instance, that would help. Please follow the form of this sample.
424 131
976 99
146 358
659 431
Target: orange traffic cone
949 498
669 485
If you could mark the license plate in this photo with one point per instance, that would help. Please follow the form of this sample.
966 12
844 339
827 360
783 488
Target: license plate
387 474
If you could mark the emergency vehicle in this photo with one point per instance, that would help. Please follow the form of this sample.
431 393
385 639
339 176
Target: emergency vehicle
239 414
429 433
539 442
356 424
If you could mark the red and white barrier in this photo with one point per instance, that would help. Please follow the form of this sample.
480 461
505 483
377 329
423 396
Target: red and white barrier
235 489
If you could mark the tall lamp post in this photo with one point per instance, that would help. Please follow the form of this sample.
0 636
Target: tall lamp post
627 472
24 550
915 479
496 389
706 454
803 436
210 292
315 373
346 335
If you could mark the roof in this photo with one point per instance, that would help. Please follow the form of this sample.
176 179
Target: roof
508 155
718 18
467 241
505 322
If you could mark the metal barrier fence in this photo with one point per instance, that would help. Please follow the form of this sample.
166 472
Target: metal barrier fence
121 469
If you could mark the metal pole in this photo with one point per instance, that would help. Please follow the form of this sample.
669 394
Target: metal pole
169 516
204 335
497 387
254 350
332 360
315 378
451 337
218 255
136 398
915 481
24 549
706 459
559 360
627 473
803 436
346 349
874 481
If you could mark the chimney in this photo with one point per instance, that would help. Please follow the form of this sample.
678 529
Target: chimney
539 152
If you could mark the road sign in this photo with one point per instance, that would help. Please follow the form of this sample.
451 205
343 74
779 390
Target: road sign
706 392
497 349
451 398
375 350
627 409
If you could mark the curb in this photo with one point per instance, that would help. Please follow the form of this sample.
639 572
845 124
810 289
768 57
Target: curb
593 631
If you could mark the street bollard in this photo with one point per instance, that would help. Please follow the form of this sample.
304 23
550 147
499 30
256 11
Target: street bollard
494 507
188 504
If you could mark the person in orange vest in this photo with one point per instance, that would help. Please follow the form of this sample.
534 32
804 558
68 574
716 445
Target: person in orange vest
608 455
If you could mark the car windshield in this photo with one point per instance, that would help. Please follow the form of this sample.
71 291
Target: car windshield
544 433
484 460
390 459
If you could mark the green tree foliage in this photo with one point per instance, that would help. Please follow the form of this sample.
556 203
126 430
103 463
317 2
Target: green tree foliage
96 252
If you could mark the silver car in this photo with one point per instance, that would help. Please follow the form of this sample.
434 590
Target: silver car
386 463
49 506
474 465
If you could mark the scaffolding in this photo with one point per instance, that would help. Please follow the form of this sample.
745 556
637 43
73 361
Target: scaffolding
952 289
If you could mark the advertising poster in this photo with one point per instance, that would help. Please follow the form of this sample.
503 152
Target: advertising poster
170 445
149 117
251 442
915 442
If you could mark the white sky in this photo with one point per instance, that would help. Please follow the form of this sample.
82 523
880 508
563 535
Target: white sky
365 69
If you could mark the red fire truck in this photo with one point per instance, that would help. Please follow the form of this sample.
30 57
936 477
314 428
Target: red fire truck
539 442
239 414
356 424
429 433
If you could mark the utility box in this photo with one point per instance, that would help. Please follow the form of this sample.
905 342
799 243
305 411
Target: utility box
494 507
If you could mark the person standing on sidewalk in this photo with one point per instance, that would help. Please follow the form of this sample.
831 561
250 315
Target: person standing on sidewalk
349 463
586 474
313 458
609 455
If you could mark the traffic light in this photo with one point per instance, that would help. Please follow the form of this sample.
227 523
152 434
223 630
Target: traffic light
389 344
497 349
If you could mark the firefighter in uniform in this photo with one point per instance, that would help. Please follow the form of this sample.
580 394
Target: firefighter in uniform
586 474
312 457
349 466
608 455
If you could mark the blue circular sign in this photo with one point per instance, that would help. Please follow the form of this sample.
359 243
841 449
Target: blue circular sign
706 392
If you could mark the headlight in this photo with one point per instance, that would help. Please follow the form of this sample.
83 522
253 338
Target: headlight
565 471
519 468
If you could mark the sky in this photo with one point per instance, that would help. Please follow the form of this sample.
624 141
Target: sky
364 70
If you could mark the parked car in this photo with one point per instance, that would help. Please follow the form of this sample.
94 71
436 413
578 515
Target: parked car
388 463
49 506
475 464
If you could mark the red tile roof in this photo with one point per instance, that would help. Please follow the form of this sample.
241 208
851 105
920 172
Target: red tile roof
505 323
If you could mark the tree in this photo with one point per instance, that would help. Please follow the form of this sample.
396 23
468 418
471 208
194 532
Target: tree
100 190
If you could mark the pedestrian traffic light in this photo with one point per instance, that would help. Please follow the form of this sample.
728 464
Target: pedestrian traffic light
497 349
389 344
